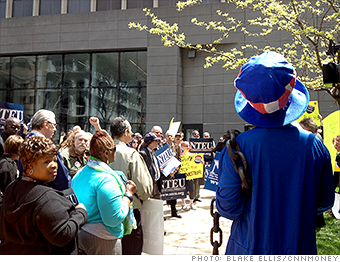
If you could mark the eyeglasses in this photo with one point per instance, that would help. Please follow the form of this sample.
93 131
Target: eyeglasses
113 149
54 124
158 133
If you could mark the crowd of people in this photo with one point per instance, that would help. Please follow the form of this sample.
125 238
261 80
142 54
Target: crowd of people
109 175
84 195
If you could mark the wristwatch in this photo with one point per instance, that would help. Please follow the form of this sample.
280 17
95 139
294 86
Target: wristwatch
129 196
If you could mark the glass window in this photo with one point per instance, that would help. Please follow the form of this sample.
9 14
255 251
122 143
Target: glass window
24 97
49 71
139 3
105 69
167 3
133 69
131 102
4 72
210 1
79 6
50 7
23 72
2 8
104 103
3 95
77 70
22 8
74 107
48 99
104 5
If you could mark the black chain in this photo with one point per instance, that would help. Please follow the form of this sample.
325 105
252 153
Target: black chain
242 170
215 229
246 186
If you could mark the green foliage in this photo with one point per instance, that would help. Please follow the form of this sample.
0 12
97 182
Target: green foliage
308 26
327 237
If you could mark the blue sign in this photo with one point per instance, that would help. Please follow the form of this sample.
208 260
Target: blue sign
174 188
211 181
167 162
10 110
201 145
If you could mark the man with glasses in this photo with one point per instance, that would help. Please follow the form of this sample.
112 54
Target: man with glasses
133 166
43 124
157 130
11 127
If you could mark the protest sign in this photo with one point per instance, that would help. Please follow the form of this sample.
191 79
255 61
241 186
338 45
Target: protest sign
331 129
211 181
174 127
167 162
174 188
10 110
153 226
201 145
312 111
192 165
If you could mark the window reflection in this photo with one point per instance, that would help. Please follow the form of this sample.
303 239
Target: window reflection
104 5
22 8
105 69
4 72
139 3
23 72
77 86
79 6
50 7
2 8
49 71
133 69
77 70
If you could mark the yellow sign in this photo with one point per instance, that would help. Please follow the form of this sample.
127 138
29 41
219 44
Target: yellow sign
192 165
312 111
331 129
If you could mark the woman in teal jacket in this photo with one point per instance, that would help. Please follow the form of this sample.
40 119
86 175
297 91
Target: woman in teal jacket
106 198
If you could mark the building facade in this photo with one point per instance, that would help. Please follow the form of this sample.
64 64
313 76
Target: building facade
78 58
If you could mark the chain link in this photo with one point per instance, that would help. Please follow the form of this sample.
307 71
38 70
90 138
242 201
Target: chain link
246 186
215 229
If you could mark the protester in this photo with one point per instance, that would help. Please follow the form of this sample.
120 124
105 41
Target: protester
196 134
178 139
134 144
291 170
8 167
157 130
190 183
176 151
36 219
43 124
148 154
133 166
11 127
105 197
139 139
74 151
309 124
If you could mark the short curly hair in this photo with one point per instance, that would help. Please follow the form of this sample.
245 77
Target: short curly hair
100 142
33 148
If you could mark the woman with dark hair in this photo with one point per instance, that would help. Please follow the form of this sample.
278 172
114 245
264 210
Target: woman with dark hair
107 198
8 166
36 219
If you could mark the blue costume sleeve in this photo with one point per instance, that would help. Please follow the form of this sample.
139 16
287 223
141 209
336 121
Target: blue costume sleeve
229 200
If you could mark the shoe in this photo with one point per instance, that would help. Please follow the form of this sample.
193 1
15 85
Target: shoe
176 215
185 207
192 206
197 200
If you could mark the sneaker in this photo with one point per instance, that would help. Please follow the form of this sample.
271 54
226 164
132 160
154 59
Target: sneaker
185 207
192 206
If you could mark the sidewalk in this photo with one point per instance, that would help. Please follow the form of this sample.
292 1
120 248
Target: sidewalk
191 233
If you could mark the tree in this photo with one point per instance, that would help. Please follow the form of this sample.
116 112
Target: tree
309 26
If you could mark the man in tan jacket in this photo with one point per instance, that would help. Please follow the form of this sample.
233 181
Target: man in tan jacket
132 164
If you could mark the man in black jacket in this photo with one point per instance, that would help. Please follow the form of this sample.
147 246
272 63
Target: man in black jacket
11 127
147 152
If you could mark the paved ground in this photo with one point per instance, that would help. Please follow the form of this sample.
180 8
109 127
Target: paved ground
191 233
